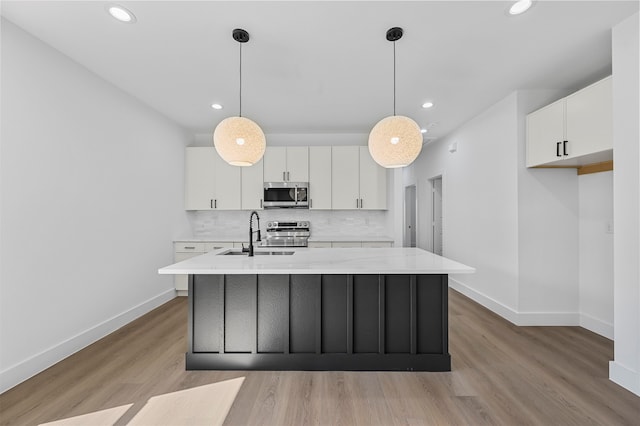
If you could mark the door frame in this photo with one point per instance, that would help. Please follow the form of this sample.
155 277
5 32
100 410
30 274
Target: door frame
415 217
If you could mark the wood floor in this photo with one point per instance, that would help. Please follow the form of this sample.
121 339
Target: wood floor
502 374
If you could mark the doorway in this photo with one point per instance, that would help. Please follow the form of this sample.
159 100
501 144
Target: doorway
436 215
409 237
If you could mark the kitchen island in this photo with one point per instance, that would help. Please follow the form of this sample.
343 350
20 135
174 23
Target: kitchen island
378 309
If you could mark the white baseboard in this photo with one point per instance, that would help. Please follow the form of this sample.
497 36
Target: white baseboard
20 372
493 305
596 325
625 377
517 318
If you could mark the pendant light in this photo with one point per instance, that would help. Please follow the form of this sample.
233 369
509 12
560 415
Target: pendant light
396 140
238 140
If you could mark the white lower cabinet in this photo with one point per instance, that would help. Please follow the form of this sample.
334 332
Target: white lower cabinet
377 244
184 250
348 244
320 244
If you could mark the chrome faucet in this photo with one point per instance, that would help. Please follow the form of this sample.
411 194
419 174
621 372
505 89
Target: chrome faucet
251 231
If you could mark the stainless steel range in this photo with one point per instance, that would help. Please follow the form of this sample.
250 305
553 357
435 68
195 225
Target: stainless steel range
287 234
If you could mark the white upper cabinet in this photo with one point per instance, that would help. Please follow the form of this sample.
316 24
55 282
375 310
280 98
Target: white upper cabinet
589 119
573 131
210 183
345 177
320 177
357 182
286 164
545 133
200 178
252 186
373 182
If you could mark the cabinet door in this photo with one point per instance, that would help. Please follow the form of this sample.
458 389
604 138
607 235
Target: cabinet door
252 186
227 185
275 164
545 128
589 120
200 178
298 164
320 177
373 182
345 177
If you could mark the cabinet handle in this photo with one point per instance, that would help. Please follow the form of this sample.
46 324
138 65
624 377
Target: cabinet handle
360 202
288 177
260 202
311 203
211 203
564 147
357 203
284 176
190 248
558 149
215 203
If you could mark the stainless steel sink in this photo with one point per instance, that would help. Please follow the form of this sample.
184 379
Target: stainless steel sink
257 253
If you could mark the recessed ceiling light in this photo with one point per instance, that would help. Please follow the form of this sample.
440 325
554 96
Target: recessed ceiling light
423 130
427 105
216 106
120 13
520 6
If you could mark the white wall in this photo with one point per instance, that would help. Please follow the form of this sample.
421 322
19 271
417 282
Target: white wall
91 198
596 252
547 231
480 202
518 227
625 369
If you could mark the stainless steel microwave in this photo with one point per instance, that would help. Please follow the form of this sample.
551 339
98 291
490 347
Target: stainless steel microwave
286 195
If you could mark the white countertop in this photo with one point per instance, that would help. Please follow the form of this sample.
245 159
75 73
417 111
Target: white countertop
321 261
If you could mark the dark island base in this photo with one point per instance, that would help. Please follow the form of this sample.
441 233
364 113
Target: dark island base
318 322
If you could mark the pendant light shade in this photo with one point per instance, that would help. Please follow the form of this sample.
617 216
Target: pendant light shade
396 141
238 140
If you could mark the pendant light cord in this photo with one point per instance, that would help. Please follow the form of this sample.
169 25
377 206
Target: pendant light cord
240 115
394 78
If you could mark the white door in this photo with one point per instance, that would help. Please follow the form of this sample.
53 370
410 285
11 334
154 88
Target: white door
409 239
320 177
200 178
297 164
436 215
252 186
228 185
545 134
275 164
590 119
373 182
345 177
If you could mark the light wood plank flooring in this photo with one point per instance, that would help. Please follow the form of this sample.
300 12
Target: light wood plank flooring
502 374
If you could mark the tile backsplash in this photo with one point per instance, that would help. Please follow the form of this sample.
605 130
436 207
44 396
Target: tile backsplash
235 224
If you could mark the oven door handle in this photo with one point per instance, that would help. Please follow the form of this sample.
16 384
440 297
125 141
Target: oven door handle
296 195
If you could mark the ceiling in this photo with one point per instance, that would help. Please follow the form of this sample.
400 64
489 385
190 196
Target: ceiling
326 66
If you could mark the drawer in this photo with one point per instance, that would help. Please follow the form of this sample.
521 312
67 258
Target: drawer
217 245
320 244
188 247
346 244
377 244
